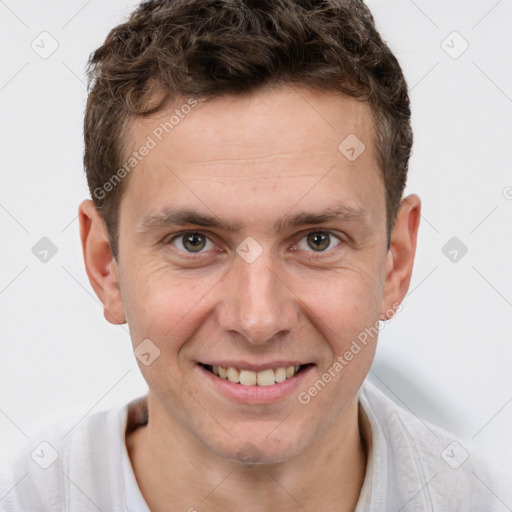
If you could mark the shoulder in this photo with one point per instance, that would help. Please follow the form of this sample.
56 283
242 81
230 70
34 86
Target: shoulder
69 467
425 467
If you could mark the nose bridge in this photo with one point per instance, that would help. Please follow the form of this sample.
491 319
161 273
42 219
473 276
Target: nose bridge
256 303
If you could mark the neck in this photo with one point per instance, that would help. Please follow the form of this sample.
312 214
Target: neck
176 470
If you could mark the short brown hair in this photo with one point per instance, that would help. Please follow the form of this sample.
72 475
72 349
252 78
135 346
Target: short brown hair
208 48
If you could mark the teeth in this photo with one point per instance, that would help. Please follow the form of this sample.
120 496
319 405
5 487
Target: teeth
247 378
280 374
250 378
233 375
265 378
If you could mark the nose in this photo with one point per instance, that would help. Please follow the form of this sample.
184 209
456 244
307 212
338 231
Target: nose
256 302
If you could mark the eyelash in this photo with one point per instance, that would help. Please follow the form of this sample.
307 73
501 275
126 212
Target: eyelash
202 233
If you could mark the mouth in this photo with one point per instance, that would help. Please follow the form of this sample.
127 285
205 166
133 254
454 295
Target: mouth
260 378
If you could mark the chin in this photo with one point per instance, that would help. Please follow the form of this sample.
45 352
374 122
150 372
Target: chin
259 451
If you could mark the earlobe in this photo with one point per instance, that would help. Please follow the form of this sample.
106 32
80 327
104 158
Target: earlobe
100 264
401 253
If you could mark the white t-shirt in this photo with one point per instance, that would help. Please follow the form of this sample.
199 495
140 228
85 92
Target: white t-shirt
412 466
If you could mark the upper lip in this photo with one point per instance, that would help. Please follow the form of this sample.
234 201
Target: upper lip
245 365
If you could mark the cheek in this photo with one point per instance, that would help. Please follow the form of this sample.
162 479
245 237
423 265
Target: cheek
343 301
159 303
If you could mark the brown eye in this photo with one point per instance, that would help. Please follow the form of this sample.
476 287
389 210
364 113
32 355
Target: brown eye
191 242
194 242
319 241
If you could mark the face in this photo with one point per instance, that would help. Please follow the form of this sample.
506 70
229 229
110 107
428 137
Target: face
249 241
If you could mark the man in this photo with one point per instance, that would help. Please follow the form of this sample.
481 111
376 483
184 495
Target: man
246 162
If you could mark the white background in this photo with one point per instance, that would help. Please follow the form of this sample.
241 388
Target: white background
447 356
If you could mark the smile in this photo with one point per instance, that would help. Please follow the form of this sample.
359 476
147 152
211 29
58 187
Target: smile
265 377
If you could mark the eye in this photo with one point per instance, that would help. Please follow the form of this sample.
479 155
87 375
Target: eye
319 241
192 241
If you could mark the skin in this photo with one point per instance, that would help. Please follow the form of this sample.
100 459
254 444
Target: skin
253 160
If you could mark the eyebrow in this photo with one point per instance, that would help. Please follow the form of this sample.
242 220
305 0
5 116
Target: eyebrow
182 216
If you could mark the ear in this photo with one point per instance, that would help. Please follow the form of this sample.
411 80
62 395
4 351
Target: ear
100 264
400 258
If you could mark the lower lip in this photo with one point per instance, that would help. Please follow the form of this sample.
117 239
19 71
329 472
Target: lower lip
256 394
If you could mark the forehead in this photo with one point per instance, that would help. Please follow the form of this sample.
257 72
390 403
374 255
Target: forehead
275 142
266 121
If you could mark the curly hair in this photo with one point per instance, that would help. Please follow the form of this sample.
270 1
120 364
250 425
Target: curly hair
203 49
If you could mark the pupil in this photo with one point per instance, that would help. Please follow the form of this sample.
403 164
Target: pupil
320 240
196 242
